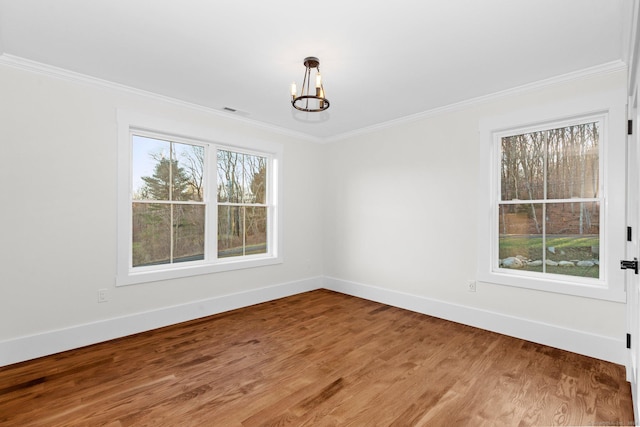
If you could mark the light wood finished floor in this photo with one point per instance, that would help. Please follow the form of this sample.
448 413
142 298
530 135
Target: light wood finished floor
315 359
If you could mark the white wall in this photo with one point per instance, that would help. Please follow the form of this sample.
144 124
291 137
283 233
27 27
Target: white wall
58 213
400 219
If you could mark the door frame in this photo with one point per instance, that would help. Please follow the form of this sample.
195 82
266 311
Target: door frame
632 50
632 281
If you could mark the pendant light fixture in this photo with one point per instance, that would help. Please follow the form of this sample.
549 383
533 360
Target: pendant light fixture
307 100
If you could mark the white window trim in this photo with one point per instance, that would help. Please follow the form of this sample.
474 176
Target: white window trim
129 121
612 107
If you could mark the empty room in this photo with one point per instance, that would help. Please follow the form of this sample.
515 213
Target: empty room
245 213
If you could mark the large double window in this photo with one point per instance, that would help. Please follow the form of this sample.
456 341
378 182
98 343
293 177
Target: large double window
549 179
193 205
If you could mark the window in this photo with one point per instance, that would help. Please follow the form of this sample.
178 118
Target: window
549 205
242 208
552 198
168 208
193 205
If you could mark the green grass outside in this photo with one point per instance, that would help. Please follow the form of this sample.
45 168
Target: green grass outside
567 248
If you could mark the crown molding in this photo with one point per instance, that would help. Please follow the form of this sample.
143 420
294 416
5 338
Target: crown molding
74 77
79 78
606 68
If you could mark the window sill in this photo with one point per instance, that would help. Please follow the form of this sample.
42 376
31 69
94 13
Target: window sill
192 269
554 283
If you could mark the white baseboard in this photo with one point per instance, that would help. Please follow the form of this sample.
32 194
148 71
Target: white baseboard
597 346
51 342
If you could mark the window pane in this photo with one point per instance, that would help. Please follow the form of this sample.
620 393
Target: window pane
573 166
256 230
151 234
164 170
230 231
241 177
573 239
188 172
522 167
255 169
150 168
230 176
188 229
520 237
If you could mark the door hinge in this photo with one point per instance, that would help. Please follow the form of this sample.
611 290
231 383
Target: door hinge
629 127
628 340
629 234
630 265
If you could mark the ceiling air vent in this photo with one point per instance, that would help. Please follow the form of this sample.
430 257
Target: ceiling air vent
234 111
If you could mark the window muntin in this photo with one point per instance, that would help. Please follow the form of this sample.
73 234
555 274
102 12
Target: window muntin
548 211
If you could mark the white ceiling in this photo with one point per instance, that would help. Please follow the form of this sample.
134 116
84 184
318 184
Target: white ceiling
380 60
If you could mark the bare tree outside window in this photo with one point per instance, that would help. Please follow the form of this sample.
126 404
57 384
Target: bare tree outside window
549 208
242 210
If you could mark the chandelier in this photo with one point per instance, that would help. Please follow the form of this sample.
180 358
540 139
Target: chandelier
308 101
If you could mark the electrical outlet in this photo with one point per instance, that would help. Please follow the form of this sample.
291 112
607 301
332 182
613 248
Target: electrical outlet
103 295
471 285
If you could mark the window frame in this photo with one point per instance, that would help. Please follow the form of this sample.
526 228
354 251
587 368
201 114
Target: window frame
607 107
130 123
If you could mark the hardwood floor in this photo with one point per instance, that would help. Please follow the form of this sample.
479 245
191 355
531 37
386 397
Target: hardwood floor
315 359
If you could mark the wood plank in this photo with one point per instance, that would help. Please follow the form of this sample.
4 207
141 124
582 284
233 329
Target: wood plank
315 359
